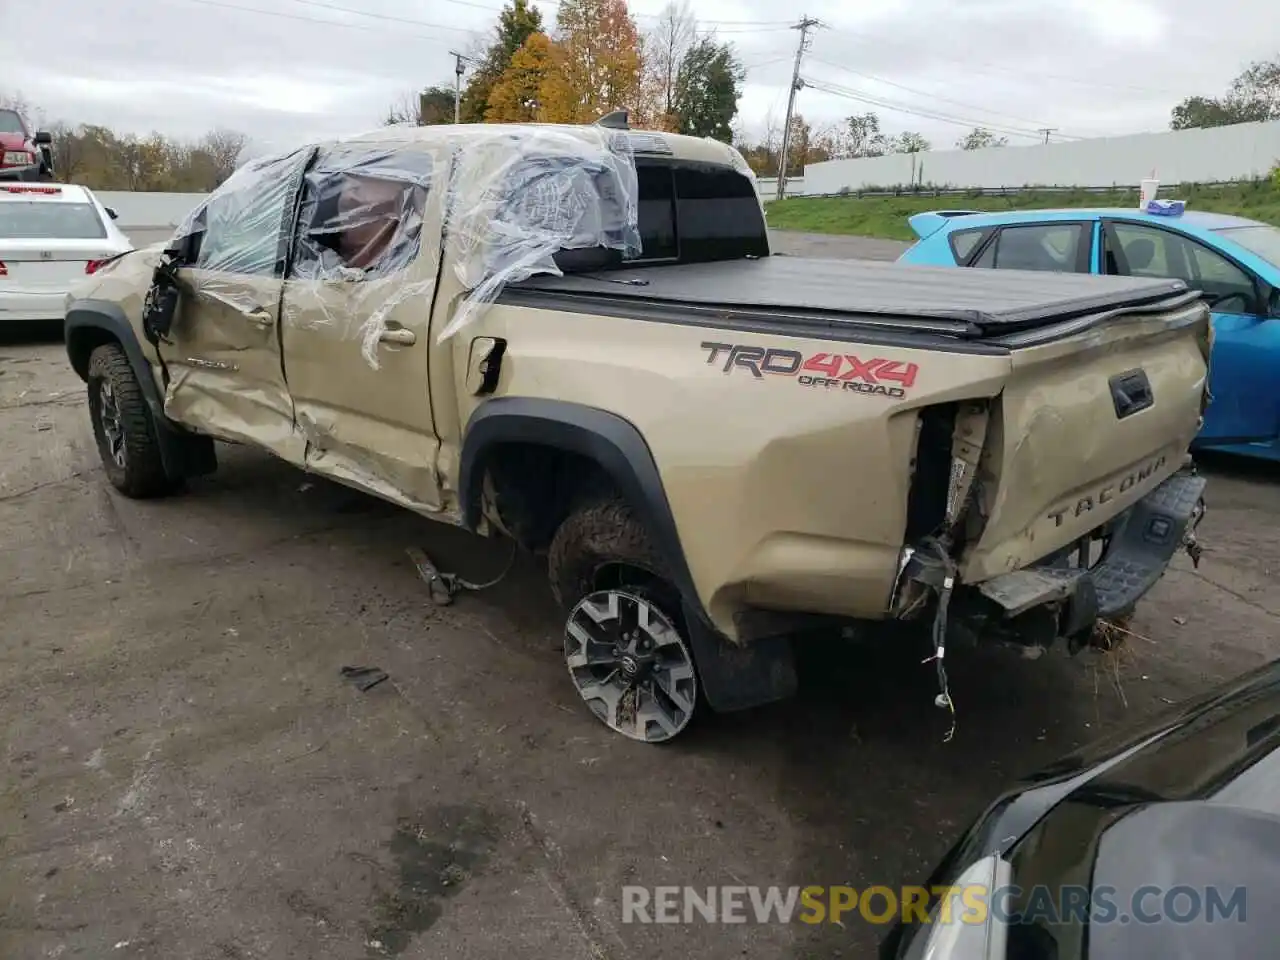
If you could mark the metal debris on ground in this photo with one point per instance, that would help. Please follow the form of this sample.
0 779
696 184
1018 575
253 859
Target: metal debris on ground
443 586
365 678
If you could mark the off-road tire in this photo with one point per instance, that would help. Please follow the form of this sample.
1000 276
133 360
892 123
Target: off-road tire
596 535
142 474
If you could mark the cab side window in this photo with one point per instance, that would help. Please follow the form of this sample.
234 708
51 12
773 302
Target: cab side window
243 227
1136 250
361 214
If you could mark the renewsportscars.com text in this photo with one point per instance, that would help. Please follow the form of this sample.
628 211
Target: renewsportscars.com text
971 904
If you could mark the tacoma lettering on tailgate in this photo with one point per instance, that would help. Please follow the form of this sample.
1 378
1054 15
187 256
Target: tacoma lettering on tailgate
1104 494
880 376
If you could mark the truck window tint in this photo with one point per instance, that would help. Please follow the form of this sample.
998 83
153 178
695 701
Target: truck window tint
1050 247
361 214
718 215
656 213
697 212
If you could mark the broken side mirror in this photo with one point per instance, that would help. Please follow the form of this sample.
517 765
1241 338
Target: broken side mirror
112 213
183 250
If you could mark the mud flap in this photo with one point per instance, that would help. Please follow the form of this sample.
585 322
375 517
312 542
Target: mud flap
736 677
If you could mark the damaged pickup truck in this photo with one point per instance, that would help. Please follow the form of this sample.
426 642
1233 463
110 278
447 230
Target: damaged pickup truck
576 338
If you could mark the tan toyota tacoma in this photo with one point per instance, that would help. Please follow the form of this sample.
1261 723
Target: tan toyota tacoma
576 338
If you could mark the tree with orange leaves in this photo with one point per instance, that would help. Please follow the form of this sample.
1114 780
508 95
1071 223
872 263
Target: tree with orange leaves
597 62
516 96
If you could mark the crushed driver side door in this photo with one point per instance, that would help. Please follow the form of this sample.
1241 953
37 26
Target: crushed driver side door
222 352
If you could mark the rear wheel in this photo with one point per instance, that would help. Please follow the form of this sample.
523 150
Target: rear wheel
123 427
624 643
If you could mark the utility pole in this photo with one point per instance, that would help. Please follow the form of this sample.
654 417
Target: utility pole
457 83
796 83
1046 131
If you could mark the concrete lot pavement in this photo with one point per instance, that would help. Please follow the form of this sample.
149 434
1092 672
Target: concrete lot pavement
188 775
835 247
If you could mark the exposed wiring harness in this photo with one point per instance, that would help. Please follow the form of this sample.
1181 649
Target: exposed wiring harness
939 561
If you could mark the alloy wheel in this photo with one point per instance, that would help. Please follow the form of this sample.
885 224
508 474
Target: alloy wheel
631 666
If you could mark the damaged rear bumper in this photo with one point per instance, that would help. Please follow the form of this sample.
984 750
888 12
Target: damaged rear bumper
1065 594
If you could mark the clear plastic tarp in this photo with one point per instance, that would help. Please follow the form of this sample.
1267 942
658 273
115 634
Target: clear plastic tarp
345 229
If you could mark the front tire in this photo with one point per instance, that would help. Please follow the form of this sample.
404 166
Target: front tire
123 426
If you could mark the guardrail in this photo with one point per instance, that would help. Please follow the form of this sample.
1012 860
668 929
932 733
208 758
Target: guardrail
925 191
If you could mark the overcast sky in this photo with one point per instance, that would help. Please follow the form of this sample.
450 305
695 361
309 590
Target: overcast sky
303 68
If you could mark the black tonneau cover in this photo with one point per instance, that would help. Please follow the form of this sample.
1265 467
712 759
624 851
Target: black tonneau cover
962 302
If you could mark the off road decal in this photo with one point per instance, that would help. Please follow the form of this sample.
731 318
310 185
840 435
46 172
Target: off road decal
881 376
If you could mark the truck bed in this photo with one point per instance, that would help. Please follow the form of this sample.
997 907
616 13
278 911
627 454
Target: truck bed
965 303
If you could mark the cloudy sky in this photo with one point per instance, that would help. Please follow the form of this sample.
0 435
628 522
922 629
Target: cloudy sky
285 70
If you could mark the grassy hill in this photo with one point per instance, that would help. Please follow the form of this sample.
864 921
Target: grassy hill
887 216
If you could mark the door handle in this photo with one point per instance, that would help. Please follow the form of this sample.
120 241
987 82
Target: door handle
260 317
398 335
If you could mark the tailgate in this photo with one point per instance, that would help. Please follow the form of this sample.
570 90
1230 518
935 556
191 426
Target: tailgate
1084 427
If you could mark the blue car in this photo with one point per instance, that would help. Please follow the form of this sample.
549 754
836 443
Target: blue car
1235 262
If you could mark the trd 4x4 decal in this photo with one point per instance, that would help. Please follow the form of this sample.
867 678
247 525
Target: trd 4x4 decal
829 371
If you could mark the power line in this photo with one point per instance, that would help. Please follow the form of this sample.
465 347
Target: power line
330 23
922 93
837 90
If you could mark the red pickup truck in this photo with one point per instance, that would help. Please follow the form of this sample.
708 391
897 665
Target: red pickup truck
23 155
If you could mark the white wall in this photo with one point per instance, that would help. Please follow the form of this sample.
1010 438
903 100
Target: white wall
1243 151
154 210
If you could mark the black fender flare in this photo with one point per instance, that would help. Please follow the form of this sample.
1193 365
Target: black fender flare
606 438
89 324
86 316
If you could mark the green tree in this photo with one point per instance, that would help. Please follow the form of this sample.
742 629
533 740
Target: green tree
862 136
707 89
908 142
1253 95
516 23
980 138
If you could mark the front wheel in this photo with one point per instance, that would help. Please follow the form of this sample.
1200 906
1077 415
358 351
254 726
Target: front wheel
123 427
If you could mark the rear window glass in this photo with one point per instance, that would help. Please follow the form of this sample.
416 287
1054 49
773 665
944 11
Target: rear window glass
697 212
40 220
10 122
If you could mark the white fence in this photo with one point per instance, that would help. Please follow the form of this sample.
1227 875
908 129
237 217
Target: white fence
1240 152
769 187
